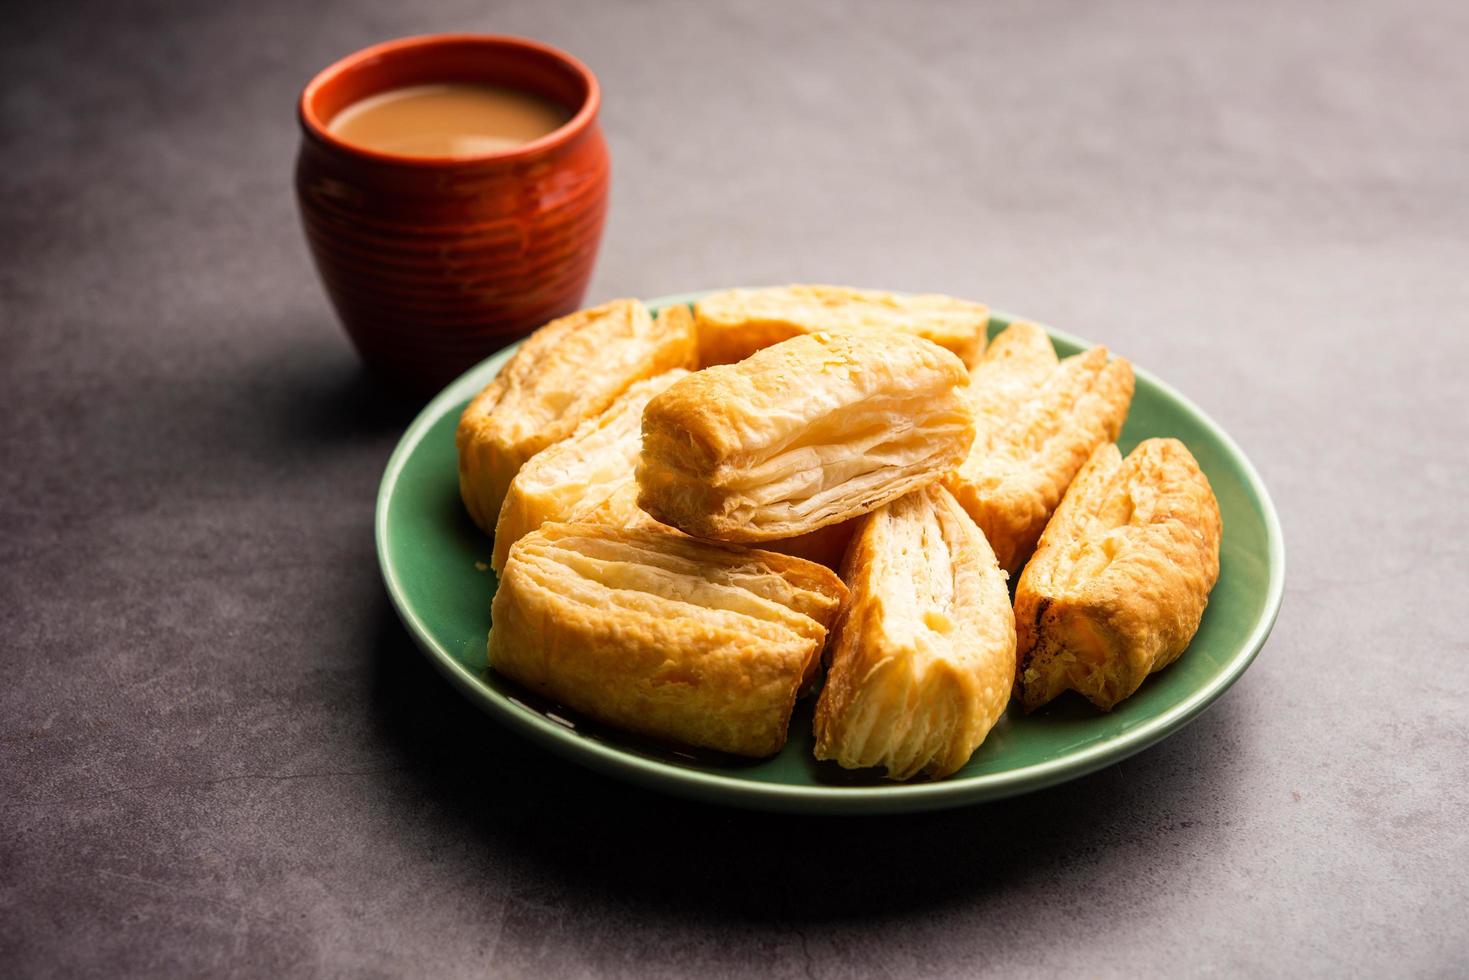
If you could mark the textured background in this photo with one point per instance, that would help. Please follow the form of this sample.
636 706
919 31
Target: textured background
218 750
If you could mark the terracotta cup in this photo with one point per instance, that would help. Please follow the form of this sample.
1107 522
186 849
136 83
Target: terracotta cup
432 263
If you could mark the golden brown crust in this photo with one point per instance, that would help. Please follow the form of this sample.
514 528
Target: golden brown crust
577 479
1038 420
658 633
735 323
1014 367
825 545
621 509
1121 577
813 431
569 370
923 655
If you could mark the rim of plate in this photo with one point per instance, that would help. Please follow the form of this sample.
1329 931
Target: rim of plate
708 785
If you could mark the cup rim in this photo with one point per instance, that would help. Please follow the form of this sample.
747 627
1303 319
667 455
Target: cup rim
316 128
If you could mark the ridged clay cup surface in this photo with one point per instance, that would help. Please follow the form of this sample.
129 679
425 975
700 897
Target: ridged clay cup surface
432 263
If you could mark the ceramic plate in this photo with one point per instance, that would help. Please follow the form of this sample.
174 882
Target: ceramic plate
435 564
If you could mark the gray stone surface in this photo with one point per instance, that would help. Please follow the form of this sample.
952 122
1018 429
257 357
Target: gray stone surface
219 753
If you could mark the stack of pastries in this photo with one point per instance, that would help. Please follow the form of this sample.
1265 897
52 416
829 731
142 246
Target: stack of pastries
702 517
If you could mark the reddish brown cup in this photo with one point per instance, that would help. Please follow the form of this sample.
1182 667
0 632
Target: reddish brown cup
432 263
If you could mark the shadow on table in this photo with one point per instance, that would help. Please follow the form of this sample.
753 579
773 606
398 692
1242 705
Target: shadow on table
588 833
330 398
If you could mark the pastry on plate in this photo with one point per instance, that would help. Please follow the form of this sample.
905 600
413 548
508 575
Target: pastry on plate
813 431
566 372
923 656
655 632
1121 577
574 479
735 323
825 545
1037 420
621 509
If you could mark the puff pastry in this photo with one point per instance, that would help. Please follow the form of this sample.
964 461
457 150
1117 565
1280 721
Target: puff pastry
812 431
923 657
573 479
735 323
658 633
621 509
1121 578
1037 421
564 373
824 546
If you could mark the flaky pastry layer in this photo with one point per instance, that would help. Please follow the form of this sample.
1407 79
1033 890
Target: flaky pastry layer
568 371
825 545
813 431
923 656
576 479
735 323
655 632
1120 580
1037 422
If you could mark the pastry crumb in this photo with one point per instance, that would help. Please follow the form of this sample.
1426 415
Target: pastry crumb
480 566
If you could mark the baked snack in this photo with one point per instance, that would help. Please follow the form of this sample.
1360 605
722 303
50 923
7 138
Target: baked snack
1037 420
1121 578
573 479
564 373
735 323
825 545
812 431
621 509
652 631
923 656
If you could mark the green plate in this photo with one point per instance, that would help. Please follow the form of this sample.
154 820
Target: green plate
435 564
